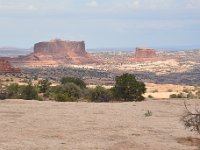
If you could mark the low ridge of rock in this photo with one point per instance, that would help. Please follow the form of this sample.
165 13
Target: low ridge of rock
6 67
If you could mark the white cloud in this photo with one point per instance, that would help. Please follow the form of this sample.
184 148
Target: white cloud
92 3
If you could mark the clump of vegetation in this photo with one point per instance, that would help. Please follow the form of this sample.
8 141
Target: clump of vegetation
127 88
43 85
190 95
64 93
3 92
185 90
148 113
191 120
179 95
150 96
27 92
100 94
71 89
74 80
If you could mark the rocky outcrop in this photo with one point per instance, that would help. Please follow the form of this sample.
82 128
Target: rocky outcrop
60 47
57 52
145 54
6 67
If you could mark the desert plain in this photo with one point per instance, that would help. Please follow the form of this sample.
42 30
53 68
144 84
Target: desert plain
35 125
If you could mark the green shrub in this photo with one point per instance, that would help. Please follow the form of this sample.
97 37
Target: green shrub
73 91
29 92
173 96
186 90
61 97
74 80
180 95
68 92
191 95
100 94
148 113
198 93
3 93
13 91
43 85
150 96
127 88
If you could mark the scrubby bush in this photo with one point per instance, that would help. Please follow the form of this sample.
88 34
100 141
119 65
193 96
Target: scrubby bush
43 85
72 90
65 93
148 113
173 96
74 80
198 93
3 93
180 95
186 90
27 92
150 96
100 94
127 88
13 91
191 119
191 95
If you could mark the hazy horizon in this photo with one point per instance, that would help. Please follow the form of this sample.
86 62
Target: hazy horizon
102 24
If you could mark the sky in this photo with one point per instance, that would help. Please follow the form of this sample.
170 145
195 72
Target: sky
101 23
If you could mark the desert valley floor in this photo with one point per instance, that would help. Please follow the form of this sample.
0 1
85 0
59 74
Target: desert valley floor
34 125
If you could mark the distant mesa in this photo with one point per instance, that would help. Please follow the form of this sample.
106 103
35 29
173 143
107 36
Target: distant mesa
6 67
56 52
145 54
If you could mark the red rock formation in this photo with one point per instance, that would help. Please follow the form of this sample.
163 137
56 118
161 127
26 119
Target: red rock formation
145 54
58 52
6 67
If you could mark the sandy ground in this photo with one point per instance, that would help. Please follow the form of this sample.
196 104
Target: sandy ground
34 125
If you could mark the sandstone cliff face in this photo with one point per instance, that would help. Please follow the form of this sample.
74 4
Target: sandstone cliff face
58 52
6 67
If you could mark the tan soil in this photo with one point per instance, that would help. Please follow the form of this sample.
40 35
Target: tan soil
34 125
